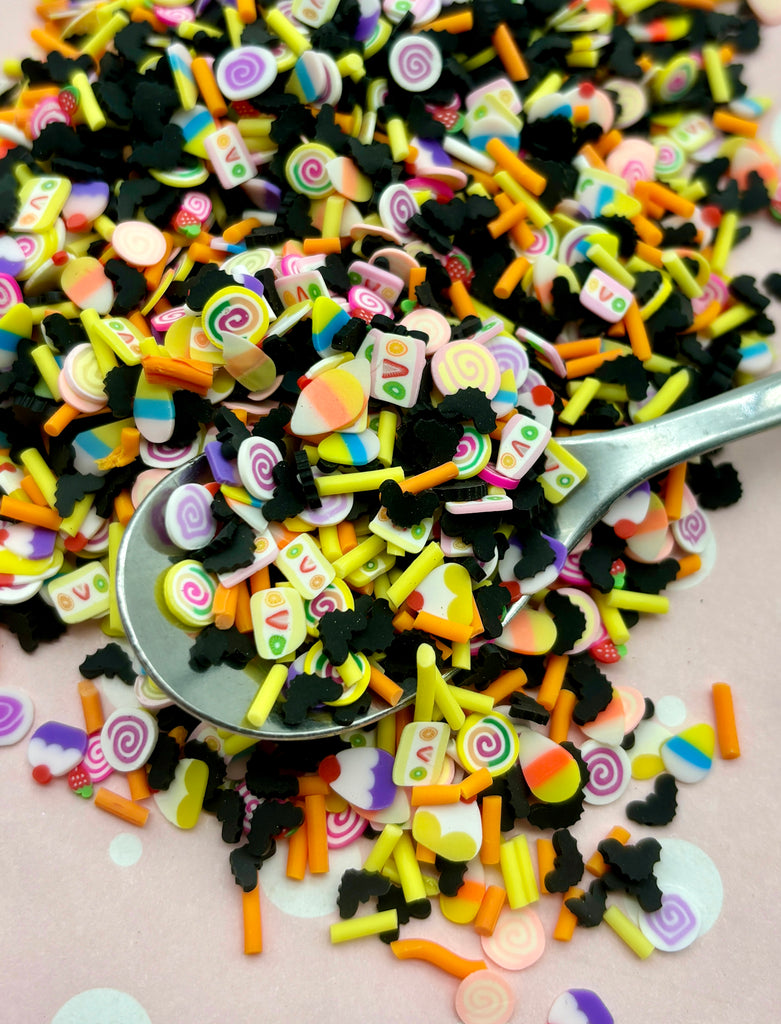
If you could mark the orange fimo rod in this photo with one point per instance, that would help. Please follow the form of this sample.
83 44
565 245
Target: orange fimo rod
511 277
491 814
555 669
253 929
321 246
726 727
238 232
561 716
91 707
510 162
673 491
505 684
586 365
545 860
507 49
27 512
431 478
578 349
638 335
224 605
507 219
297 854
688 565
121 807
490 907
60 419
455 24
417 275
733 125
243 621
474 783
138 785
434 794
384 687
316 834
311 784
439 956
458 632
596 862
33 491
566 923
461 300
208 88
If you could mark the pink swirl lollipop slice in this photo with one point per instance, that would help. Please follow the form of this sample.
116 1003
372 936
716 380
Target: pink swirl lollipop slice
10 293
256 460
518 940
188 517
610 771
344 827
415 63
465 364
16 716
94 762
166 456
245 71
395 206
128 738
46 112
485 997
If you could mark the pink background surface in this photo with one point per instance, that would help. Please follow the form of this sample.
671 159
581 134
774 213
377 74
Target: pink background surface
168 931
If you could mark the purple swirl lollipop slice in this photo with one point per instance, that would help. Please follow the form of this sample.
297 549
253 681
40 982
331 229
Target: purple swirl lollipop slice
128 737
188 517
16 716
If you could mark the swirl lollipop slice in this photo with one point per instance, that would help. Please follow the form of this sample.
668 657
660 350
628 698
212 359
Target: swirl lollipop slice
306 170
128 737
189 593
465 364
188 517
245 71
256 460
518 940
234 310
485 997
415 63
139 243
487 741
16 716
344 827
473 453
395 206
610 771
675 925
95 763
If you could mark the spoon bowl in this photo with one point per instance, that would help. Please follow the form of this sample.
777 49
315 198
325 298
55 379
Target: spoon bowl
616 462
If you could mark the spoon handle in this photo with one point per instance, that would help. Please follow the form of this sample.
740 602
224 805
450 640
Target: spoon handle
618 461
624 458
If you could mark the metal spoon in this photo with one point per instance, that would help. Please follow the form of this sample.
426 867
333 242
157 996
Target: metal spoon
616 461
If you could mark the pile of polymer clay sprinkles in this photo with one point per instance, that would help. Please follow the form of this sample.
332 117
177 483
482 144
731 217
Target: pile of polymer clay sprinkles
372 259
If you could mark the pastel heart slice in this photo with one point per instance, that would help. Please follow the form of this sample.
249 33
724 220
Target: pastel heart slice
528 632
181 803
454 831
